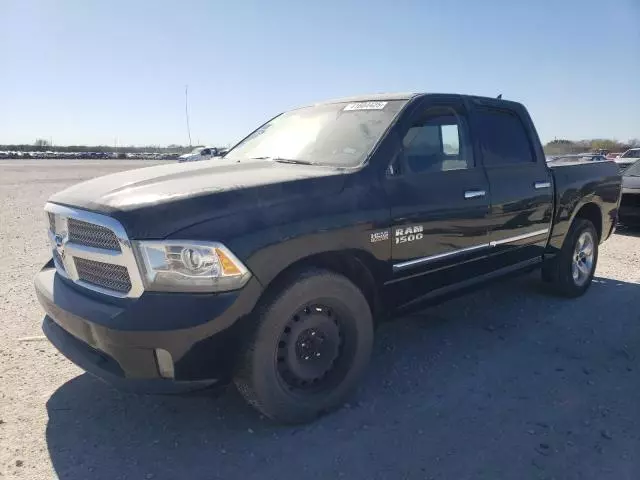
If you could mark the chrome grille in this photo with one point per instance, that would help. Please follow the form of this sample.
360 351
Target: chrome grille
104 275
93 251
92 235
58 260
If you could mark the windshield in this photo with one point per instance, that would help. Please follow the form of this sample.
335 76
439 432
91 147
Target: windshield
631 154
197 150
633 170
338 134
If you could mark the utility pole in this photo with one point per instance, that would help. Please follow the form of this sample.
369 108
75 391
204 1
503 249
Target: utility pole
186 110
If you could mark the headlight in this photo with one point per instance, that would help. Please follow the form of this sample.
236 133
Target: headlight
184 266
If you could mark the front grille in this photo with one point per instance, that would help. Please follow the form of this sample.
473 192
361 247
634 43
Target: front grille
91 235
105 275
97 253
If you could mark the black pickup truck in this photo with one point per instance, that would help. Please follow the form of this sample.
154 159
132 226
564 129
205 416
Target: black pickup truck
271 267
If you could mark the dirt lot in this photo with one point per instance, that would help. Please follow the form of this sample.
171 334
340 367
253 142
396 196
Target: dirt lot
505 383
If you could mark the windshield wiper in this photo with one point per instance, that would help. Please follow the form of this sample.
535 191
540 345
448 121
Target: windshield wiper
285 160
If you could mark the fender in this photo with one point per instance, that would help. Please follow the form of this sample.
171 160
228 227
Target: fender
595 183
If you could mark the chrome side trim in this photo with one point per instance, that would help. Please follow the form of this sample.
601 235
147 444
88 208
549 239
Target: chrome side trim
439 256
537 233
124 257
474 194
539 185
461 251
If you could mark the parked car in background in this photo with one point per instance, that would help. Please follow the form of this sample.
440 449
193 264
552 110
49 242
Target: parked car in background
613 156
199 153
630 204
581 157
628 158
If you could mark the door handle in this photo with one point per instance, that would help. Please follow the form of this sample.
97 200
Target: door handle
474 194
539 185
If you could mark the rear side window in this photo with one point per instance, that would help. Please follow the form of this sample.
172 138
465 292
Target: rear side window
503 137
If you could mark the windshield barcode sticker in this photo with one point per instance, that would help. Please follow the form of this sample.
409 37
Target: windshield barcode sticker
365 106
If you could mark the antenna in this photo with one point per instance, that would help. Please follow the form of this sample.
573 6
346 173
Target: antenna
186 110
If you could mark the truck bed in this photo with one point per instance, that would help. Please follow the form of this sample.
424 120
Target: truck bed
578 183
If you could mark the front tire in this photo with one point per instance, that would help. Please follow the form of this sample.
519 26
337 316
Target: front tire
571 272
311 346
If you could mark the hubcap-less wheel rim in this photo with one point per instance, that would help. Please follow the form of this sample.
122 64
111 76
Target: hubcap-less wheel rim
583 256
310 349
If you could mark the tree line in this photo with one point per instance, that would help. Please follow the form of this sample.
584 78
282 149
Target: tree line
554 147
561 146
41 145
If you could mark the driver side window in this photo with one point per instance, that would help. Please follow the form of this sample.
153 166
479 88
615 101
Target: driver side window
437 142
206 151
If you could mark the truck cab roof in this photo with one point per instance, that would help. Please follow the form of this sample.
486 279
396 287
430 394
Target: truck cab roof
382 97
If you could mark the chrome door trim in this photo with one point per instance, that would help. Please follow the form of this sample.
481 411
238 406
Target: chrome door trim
537 233
474 194
461 251
539 185
431 258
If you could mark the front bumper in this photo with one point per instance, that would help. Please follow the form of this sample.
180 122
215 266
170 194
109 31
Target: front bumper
117 342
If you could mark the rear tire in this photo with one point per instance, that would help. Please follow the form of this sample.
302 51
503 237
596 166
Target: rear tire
311 346
570 273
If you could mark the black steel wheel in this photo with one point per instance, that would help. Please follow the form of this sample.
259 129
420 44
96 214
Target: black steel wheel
311 350
312 344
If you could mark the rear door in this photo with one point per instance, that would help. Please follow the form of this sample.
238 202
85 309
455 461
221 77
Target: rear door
439 198
521 184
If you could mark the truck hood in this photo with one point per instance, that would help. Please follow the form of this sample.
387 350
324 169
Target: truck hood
156 201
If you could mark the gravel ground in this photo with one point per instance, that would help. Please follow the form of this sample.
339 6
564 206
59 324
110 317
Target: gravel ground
504 383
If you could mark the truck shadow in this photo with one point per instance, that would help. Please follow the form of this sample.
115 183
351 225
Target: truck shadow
627 231
505 369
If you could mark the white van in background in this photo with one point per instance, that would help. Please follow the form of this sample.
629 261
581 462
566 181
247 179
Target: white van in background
200 153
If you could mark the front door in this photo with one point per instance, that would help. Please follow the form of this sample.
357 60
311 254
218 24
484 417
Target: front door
440 202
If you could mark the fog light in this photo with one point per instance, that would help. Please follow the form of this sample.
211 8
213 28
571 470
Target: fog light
165 363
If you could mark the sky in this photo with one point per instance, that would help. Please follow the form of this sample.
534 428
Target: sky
114 72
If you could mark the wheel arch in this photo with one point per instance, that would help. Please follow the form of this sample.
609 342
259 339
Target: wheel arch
592 212
359 266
